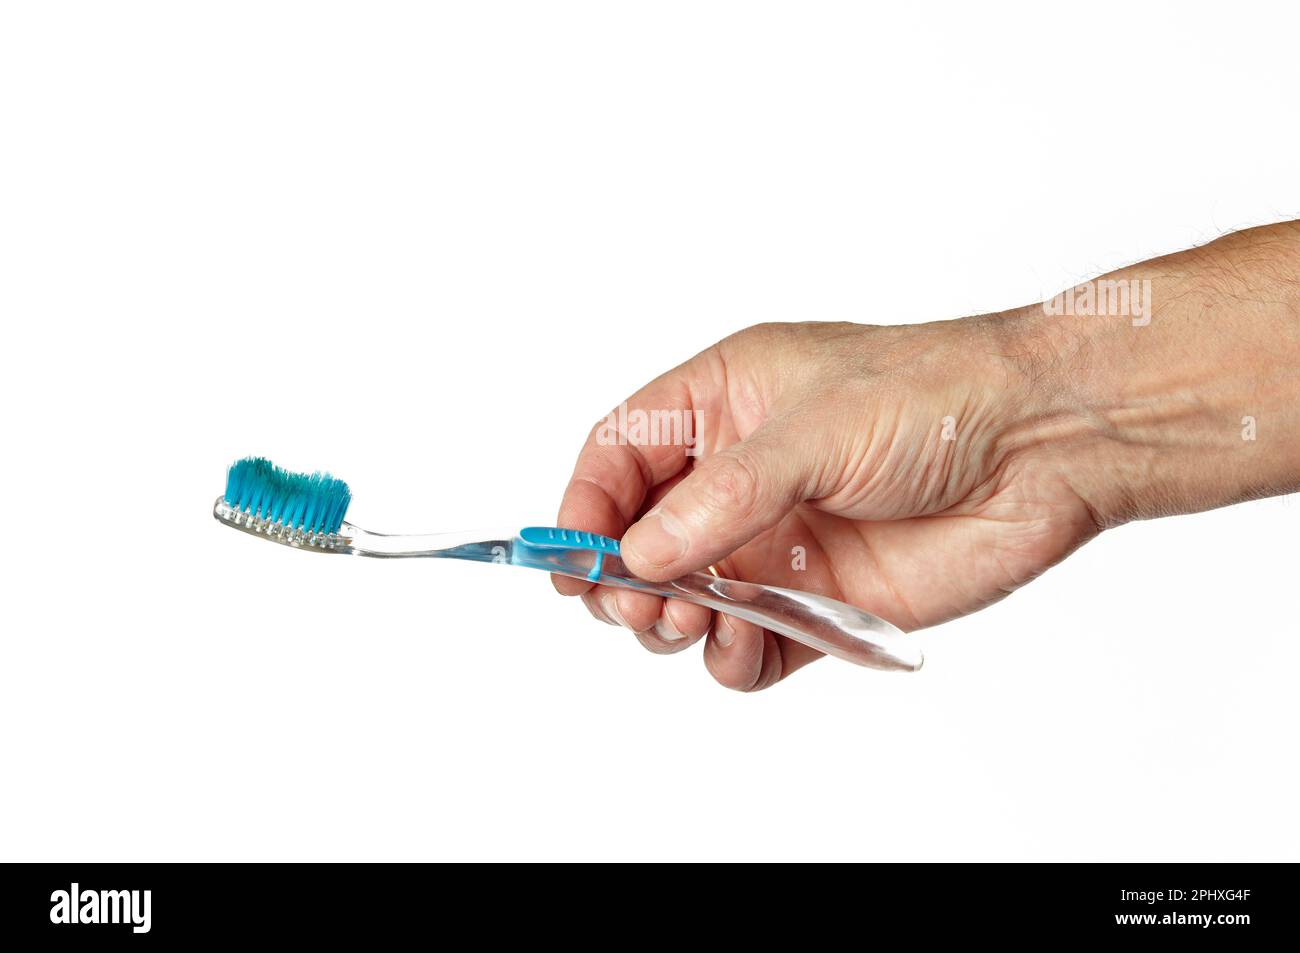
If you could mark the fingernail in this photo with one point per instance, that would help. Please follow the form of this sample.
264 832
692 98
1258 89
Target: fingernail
658 539
723 631
609 603
665 629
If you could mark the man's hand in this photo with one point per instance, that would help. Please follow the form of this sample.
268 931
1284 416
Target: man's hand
925 471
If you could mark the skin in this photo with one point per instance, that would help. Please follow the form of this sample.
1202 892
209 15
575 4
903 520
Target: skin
929 470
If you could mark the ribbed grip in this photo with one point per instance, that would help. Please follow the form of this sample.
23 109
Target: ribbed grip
550 537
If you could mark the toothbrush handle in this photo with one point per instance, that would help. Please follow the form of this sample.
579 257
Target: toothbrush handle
819 622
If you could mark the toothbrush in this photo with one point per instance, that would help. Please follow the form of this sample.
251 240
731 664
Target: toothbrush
305 511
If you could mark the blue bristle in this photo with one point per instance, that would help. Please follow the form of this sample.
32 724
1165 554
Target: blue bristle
297 501
312 503
309 513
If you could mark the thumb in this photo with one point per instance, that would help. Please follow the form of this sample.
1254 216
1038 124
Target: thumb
726 501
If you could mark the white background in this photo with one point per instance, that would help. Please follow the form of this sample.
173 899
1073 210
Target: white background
427 246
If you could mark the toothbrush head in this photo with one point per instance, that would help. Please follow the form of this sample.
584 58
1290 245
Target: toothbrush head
297 509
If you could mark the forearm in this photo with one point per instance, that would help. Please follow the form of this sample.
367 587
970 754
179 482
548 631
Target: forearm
1188 401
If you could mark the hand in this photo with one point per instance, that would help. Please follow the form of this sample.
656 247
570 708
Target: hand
920 472
857 462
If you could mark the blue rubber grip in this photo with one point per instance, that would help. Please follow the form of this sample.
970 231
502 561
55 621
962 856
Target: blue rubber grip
549 537
555 539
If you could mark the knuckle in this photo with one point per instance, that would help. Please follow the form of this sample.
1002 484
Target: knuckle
732 483
637 616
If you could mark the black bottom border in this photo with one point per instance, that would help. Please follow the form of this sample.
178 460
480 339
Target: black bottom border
384 904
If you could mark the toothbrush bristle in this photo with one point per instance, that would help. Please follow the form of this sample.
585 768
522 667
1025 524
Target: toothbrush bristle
301 502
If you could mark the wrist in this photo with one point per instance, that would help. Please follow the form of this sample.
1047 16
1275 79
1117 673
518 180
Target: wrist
1185 398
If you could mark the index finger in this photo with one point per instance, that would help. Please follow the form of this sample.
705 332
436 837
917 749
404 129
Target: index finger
646 440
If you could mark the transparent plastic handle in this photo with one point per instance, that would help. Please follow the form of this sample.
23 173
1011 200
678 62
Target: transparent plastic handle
819 622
